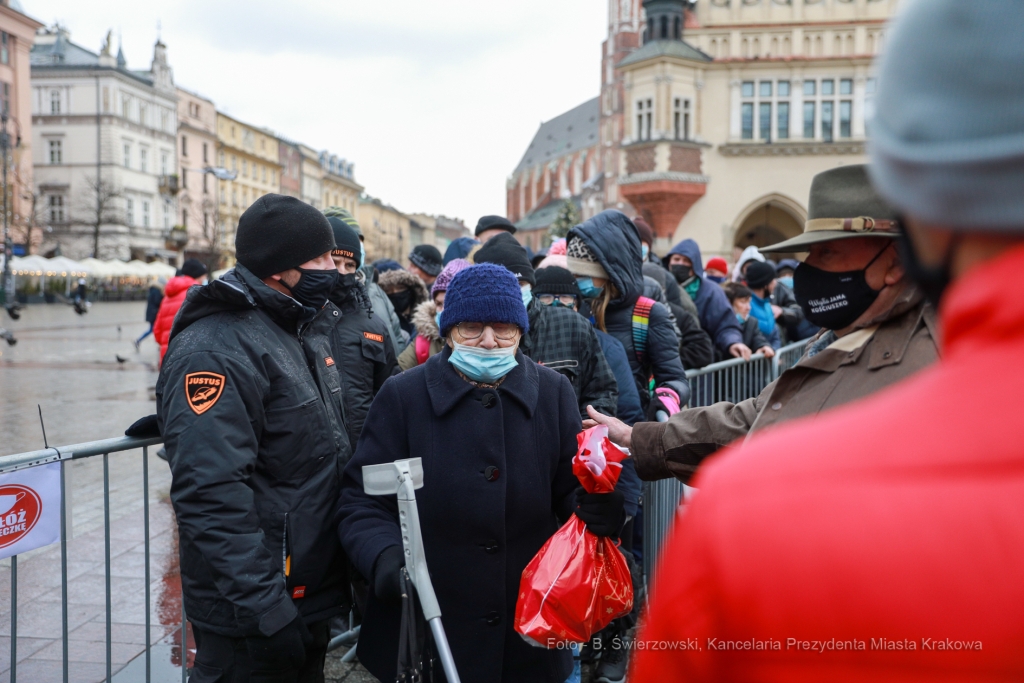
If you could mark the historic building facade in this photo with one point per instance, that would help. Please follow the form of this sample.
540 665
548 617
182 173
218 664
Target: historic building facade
104 139
713 126
252 156
385 228
198 226
27 210
339 183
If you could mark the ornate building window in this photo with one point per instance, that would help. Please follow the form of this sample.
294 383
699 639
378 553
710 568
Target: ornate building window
143 159
56 204
54 101
145 213
770 100
129 211
644 118
56 152
127 155
681 119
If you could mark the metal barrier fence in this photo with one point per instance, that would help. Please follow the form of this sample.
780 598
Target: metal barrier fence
65 454
732 380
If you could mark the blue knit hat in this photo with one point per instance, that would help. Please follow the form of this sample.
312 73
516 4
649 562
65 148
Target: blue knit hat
484 293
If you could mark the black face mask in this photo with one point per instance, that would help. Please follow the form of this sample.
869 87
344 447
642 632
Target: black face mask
932 280
401 301
833 300
314 287
681 273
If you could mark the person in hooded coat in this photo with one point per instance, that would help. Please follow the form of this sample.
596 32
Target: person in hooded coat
193 273
405 291
713 309
604 255
497 437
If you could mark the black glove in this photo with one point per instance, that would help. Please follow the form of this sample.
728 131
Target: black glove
144 427
386 584
603 513
282 651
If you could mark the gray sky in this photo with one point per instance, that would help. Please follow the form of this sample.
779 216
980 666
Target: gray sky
434 100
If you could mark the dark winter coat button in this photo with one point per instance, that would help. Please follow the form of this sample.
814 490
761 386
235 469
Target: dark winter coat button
491 473
489 400
493 618
491 547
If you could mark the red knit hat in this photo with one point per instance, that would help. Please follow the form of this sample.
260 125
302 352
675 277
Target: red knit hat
718 263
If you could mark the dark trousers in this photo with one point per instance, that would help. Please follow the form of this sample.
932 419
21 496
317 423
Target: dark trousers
220 659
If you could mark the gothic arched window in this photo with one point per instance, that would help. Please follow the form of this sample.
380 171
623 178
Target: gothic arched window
677 31
664 27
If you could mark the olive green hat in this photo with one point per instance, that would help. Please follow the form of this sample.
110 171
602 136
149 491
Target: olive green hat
843 204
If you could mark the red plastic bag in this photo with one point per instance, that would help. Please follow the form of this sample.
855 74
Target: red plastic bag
577 583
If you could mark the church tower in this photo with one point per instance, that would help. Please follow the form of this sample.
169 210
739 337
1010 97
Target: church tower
624 31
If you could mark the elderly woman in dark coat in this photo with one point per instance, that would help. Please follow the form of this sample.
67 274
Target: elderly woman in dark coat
497 434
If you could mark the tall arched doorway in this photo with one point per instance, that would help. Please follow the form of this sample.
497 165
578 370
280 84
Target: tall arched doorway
766 221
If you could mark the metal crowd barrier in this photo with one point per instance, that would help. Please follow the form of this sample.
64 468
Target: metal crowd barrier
732 380
64 454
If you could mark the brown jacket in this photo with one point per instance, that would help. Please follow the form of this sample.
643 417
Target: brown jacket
882 352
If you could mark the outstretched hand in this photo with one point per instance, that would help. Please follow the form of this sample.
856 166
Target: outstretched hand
620 433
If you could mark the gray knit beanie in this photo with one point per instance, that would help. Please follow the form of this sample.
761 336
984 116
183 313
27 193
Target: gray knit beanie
947 137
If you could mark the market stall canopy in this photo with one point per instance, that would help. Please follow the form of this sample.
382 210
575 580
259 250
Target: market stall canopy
159 269
30 265
65 267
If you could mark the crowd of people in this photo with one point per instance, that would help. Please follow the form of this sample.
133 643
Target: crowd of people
833 506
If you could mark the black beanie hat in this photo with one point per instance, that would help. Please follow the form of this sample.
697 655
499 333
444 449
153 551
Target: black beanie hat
193 269
278 233
427 258
759 274
492 222
346 241
556 280
504 250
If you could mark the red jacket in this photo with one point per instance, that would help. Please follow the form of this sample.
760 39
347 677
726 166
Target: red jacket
897 522
174 297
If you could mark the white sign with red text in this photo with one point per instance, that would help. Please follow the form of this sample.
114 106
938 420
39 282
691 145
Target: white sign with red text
29 509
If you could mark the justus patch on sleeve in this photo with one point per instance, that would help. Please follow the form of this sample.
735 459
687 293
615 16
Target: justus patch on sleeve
374 337
329 361
203 390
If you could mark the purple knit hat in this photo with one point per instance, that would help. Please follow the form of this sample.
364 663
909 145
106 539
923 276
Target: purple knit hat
446 275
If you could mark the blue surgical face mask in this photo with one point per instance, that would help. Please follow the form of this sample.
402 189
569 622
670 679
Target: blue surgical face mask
483 365
741 318
788 281
586 285
645 250
437 319
527 291
362 254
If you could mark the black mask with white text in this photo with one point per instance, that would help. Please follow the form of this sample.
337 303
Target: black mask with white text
833 300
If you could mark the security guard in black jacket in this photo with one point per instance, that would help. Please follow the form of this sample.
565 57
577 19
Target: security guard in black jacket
249 403
360 338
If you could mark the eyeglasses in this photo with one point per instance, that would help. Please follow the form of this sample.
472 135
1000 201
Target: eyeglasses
475 330
567 300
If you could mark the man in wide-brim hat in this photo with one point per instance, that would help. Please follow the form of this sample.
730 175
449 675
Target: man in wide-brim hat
876 330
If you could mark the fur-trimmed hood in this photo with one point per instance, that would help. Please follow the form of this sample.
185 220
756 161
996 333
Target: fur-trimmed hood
403 278
423 320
